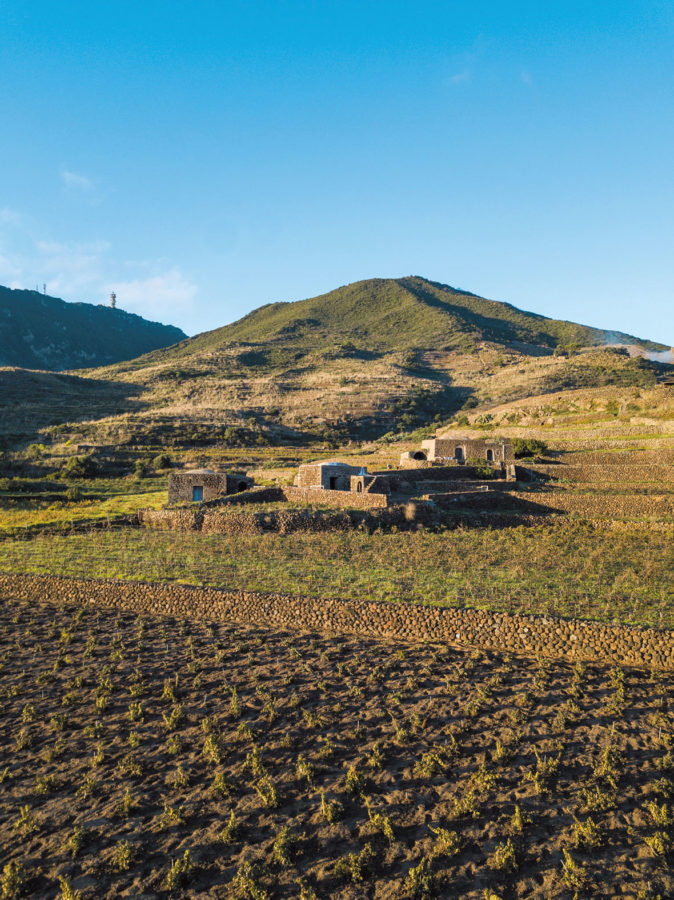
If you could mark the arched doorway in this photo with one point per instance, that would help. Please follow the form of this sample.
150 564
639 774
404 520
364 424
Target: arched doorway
419 454
458 453
490 456
359 488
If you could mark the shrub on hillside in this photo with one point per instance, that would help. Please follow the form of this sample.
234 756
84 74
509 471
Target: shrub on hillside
35 451
528 447
482 470
79 467
162 461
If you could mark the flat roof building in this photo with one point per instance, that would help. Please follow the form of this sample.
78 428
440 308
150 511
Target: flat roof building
199 485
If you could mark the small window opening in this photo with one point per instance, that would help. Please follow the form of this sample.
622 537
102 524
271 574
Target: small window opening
490 456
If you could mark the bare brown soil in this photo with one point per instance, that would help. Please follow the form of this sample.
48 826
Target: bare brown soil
142 757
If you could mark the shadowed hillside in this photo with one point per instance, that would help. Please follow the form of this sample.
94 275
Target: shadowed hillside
42 332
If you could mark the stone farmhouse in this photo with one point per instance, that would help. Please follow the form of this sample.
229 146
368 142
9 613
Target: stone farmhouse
441 470
495 452
198 485
332 476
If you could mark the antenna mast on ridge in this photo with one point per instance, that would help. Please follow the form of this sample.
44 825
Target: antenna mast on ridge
113 299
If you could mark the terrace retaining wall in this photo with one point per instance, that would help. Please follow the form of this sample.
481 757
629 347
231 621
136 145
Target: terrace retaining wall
602 504
633 457
530 635
342 499
618 474
284 521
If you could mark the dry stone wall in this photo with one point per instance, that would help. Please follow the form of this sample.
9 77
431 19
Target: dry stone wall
283 521
610 505
635 457
529 635
623 474
342 499
254 495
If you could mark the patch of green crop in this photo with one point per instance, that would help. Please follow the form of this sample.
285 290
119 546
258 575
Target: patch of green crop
567 569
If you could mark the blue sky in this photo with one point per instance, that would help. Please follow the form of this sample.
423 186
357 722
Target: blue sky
204 158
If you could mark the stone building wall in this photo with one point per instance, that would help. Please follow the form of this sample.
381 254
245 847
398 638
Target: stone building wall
326 476
251 496
470 448
214 485
571 640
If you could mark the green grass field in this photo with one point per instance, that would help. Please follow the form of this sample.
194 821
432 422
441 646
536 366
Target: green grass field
49 504
569 569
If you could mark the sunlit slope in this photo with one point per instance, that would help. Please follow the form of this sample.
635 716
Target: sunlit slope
369 358
387 314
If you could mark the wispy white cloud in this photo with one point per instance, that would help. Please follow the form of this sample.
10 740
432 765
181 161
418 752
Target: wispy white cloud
75 181
9 216
10 271
163 295
71 268
460 77
462 67
89 271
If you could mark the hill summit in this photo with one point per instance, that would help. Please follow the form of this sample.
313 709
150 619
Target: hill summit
394 314
368 359
42 332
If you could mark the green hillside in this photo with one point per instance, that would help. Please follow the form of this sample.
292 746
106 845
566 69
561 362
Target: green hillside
42 332
387 314
371 358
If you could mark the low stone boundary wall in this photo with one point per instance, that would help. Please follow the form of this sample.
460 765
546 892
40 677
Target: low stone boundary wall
529 635
611 505
496 501
171 519
341 499
632 457
254 495
285 521
619 474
